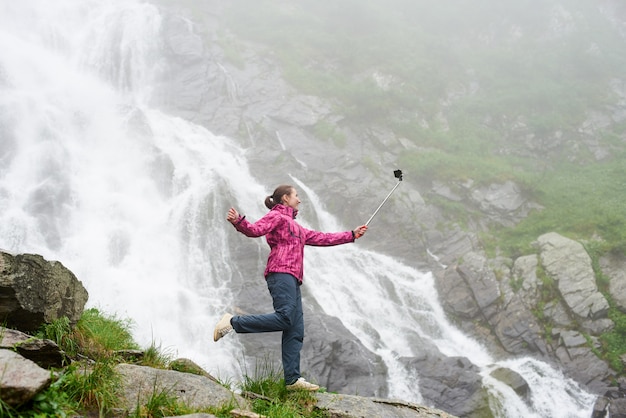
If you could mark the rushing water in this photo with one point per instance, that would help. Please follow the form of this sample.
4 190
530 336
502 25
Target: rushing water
133 201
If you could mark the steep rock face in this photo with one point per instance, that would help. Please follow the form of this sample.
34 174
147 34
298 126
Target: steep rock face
482 283
512 306
34 291
517 328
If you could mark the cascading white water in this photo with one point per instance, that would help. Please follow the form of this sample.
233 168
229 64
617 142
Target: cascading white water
133 201
126 197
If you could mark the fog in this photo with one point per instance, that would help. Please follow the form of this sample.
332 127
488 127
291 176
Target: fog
547 61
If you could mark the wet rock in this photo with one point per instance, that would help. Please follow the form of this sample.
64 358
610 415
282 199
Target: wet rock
514 380
452 384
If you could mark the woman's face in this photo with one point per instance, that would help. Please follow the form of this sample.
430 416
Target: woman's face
292 200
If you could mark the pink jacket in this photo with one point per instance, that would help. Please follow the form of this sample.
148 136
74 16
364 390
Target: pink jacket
287 239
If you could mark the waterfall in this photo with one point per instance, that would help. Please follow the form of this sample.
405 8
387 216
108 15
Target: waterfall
128 198
133 201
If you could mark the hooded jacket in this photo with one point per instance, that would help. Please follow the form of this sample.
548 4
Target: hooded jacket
287 239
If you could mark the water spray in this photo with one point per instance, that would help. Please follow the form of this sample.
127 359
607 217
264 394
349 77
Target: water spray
397 174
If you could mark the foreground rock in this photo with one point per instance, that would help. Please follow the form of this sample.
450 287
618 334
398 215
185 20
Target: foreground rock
140 383
45 353
345 406
34 291
20 378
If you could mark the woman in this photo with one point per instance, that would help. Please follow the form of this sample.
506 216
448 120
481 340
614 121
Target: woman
283 274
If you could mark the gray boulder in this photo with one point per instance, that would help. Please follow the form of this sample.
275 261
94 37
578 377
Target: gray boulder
567 262
339 361
456 295
514 380
20 378
140 383
34 291
452 384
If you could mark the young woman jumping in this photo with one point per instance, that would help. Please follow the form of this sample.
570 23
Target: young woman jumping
283 274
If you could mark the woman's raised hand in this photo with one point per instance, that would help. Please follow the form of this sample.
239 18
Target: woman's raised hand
232 216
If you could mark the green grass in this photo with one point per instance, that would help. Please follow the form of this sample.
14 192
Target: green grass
95 387
95 335
614 341
278 402
90 383
157 357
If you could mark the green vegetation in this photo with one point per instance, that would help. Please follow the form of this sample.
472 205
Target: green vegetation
614 341
90 385
95 336
275 400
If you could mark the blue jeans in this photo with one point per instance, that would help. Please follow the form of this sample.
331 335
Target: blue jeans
287 317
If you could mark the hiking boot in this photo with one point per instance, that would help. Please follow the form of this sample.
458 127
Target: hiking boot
223 327
302 384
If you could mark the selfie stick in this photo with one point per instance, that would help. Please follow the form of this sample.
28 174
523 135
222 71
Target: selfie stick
398 175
